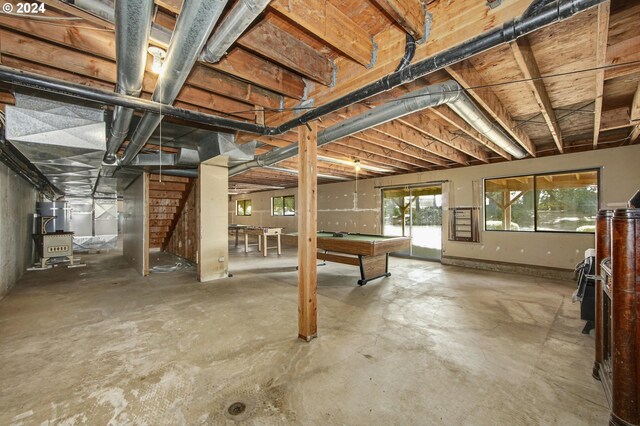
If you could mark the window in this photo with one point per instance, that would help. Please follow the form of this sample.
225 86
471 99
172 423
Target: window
551 202
243 208
283 206
509 204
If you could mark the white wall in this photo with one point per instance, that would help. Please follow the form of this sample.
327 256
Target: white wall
340 209
17 206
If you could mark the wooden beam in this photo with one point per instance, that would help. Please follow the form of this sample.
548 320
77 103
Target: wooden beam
174 6
615 118
329 24
453 22
623 40
307 233
271 41
71 61
602 33
476 86
408 14
417 156
526 60
102 44
392 158
75 11
423 122
348 151
249 67
413 137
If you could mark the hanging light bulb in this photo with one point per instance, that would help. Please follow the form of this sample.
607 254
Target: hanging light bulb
158 58
357 164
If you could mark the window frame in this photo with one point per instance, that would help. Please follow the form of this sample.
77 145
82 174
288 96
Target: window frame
283 214
598 171
244 207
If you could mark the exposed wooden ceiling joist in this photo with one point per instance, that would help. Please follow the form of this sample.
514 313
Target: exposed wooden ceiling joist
526 60
394 158
326 22
424 122
102 44
453 22
348 150
602 31
623 39
423 157
55 56
272 42
408 14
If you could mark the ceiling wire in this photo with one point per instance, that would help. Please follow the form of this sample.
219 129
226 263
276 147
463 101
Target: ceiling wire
466 89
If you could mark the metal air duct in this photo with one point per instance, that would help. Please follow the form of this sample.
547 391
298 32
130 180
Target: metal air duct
449 93
554 11
234 24
133 23
195 23
433 95
469 112
65 142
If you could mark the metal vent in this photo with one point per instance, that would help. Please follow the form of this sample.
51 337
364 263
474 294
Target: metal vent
65 142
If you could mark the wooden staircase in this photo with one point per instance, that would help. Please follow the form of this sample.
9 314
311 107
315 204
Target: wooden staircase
166 202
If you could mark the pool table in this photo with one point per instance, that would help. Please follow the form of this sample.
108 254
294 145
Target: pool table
369 252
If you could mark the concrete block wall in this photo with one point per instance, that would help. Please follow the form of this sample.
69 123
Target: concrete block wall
17 206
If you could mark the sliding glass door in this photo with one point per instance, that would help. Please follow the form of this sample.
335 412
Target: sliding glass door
415 212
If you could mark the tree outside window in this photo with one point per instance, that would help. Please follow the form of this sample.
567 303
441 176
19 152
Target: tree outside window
551 202
283 206
243 208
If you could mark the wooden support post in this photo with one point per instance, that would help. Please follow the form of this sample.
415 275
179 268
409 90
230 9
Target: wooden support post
307 232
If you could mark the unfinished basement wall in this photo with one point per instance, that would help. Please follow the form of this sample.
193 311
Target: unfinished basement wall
341 209
17 206
261 211
183 241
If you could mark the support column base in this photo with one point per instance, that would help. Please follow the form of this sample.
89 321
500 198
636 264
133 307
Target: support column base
307 338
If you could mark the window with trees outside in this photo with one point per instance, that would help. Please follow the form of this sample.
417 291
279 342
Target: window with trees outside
243 208
283 206
550 202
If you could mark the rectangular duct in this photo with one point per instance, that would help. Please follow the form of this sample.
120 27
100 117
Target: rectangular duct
65 142
94 222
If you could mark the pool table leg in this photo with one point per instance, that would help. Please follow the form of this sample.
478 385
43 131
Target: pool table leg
371 265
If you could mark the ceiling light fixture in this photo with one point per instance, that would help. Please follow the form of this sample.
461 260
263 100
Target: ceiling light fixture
158 58
358 166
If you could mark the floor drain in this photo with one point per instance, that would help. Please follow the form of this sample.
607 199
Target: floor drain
236 408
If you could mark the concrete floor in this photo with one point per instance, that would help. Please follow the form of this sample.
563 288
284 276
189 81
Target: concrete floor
429 345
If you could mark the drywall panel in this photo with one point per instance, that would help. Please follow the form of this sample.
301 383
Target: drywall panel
213 249
135 246
17 206
343 208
